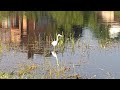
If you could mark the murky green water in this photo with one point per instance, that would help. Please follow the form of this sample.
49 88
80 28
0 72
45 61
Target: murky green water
88 48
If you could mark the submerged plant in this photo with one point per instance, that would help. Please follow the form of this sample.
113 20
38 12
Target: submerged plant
26 70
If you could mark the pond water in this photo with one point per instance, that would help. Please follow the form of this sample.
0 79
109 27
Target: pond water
88 48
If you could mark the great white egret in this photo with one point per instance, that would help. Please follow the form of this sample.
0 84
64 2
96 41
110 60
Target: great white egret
54 43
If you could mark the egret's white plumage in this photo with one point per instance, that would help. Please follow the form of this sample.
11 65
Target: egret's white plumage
54 43
54 54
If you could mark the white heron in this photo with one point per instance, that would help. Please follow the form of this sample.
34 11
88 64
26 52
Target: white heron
54 43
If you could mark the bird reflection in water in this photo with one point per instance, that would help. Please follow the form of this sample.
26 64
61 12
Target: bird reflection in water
55 55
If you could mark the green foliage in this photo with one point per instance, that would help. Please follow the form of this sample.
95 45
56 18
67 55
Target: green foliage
117 13
67 18
4 75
